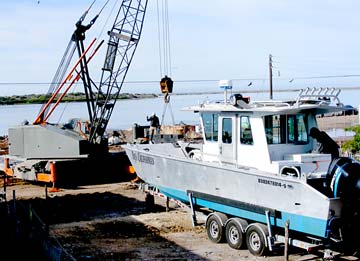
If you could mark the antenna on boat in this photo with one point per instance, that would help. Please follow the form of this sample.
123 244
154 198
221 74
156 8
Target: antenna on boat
271 76
225 85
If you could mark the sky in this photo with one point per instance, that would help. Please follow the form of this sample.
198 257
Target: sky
312 43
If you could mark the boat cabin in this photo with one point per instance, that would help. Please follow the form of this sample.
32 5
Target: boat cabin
271 136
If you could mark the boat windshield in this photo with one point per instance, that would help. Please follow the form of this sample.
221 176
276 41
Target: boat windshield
282 129
210 123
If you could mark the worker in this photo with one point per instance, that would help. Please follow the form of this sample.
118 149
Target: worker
325 144
154 124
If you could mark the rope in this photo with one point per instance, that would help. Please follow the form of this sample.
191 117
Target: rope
164 50
172 115
163 114
61 70
167 104
86 12
159 37
107 19
103 7
164 38
168 36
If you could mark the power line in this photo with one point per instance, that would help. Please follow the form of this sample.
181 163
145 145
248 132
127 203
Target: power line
201 80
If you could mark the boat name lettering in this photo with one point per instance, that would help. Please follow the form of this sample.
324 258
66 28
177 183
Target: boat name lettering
272 183
143 158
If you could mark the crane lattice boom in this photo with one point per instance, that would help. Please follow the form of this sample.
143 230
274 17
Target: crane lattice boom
123 40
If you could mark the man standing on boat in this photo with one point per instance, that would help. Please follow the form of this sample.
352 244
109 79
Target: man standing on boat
325 144
154 124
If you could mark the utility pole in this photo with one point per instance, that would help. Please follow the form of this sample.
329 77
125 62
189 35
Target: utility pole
270 76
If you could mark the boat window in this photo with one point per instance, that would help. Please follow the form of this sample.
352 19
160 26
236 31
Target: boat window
297 126
227 130
210 122
245 131
281 129
275 129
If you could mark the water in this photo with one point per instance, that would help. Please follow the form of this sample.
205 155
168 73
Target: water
128 112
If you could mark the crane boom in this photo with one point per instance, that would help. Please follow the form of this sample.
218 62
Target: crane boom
123 40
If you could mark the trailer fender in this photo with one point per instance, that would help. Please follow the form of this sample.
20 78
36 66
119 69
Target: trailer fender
221 216
243 224
215 226
262 228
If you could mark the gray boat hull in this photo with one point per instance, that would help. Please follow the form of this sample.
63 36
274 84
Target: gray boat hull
235 190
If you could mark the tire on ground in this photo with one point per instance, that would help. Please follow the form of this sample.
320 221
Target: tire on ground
234 232
256 235
215 227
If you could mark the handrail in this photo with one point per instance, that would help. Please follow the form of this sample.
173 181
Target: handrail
323 95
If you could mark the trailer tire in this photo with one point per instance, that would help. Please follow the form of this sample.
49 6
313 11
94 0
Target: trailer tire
215 227
234 232
256 239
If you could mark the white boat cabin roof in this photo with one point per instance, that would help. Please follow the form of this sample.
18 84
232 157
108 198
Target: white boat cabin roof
318 100
267 135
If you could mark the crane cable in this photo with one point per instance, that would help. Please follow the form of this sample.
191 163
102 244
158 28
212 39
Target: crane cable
87 11
66 59
81 19
108 17
164 51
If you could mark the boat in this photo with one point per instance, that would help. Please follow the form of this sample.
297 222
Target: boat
258 175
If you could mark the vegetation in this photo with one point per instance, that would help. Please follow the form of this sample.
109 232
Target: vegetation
353 145
70 97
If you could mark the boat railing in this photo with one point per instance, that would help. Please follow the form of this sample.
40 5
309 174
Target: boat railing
321 95
271 103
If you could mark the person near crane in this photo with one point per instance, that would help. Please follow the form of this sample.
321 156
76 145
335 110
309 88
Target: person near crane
154 124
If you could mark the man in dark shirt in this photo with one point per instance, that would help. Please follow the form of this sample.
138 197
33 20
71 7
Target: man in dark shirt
325 144
154 124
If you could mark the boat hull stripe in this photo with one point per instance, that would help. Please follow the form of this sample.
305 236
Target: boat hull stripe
235 203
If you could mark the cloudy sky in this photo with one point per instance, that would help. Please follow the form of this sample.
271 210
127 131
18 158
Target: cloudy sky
313 43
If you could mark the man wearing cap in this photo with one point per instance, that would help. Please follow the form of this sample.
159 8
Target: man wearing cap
154 124
325 144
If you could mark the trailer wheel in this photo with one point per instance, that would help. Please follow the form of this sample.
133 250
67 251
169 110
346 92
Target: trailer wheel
234 233
255 240
215 228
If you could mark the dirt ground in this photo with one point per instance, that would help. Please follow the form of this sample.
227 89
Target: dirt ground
112 222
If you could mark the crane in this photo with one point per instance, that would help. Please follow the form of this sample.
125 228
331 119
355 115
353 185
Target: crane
42 144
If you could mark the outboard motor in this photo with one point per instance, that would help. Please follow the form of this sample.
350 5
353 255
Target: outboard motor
343 180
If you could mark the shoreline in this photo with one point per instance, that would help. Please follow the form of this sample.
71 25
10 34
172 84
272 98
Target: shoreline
75 97
81 97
